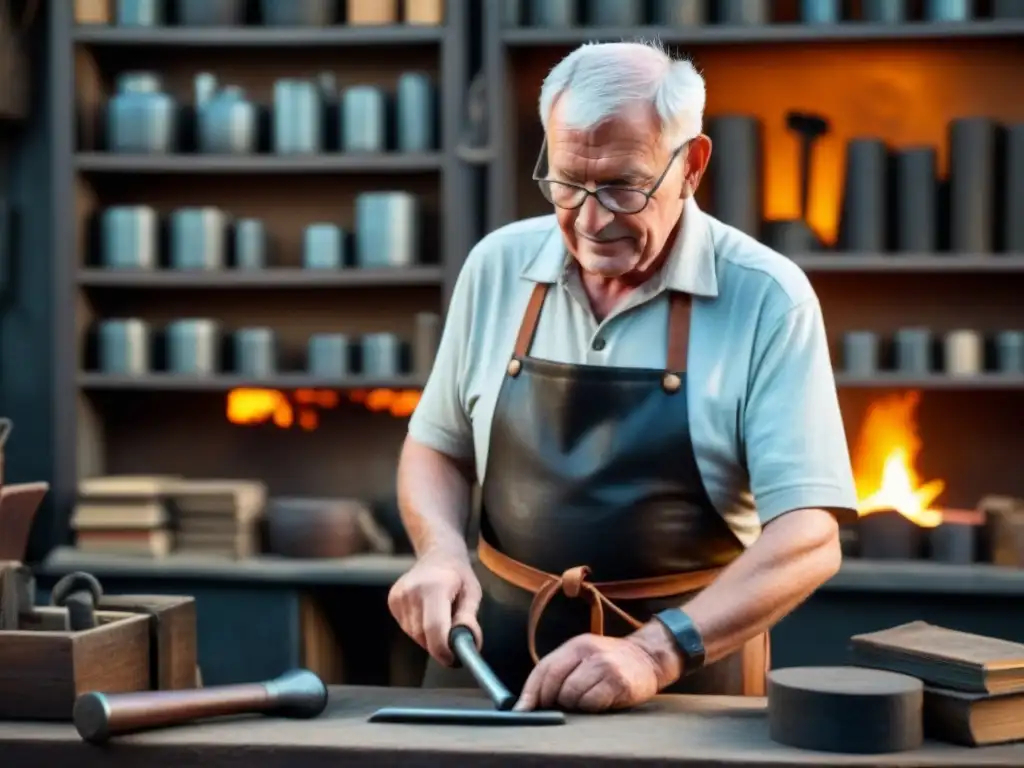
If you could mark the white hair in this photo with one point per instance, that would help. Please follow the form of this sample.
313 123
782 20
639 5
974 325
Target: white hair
599 79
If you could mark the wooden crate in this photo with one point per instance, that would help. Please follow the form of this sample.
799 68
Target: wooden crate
43 669
172 636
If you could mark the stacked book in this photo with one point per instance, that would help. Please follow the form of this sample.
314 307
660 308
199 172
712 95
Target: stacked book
974 685
124 515
219 517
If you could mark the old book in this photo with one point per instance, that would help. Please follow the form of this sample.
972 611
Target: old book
973 719
126 486
126 542
945 658
144 516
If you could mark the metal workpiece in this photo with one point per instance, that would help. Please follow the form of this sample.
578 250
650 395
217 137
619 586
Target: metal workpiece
915 199
865 195
972 157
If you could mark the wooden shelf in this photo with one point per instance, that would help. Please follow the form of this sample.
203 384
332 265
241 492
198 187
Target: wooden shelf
986 381
853 31
266 279
257 37
391 163
164 382
937 263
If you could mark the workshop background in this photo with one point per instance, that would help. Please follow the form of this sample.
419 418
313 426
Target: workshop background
229 231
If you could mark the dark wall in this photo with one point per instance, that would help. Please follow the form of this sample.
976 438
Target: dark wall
26 312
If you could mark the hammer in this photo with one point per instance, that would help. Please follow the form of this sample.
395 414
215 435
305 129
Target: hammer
79 592
810 128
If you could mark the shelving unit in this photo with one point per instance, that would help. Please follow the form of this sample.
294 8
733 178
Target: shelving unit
108 424
902 83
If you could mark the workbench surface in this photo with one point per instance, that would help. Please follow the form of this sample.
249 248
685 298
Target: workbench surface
685 731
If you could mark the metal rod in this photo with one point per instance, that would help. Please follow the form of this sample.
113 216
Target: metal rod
463 645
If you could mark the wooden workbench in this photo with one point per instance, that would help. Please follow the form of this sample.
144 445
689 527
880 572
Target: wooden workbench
684 731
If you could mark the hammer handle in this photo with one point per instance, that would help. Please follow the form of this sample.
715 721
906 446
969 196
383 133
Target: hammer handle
463 645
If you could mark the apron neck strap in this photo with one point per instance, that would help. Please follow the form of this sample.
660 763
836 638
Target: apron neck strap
680 306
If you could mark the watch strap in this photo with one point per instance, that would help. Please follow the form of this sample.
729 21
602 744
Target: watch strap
687 637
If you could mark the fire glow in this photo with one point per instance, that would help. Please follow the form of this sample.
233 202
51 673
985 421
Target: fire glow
248 406
884 463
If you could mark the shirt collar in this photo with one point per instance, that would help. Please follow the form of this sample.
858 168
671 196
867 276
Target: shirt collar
690 267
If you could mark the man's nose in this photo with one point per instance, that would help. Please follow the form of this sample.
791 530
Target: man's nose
593 217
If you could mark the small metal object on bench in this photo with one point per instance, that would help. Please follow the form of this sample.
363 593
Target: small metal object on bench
79 592
845 709
463 645
98 717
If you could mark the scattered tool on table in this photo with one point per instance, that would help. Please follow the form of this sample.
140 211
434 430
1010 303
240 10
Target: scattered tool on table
463 645
80 593
299 694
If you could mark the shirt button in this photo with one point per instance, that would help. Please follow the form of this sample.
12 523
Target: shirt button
599 344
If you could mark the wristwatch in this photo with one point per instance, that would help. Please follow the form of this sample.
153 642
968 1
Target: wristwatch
687 637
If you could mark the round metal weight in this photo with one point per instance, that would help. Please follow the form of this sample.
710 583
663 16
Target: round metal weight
845 709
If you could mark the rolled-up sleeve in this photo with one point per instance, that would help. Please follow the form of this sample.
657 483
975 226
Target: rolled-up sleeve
796 448
440 420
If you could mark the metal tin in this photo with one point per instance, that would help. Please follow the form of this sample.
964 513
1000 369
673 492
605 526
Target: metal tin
298 13
863 228
820 11
363 120
298 117
381 355
615 13
328 355
130 237
554 13
415 113
139 13
947 10
388 229
227 123
916 199
679 13
141 119
1010 352
752 12
884 11
250 244
198 238
211 13
193 347
323 247
963 353
123 347
860 353
735 176
972 158
255 352
913 351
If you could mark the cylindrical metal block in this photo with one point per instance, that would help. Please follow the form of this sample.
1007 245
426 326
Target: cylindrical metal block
751 12
736 174
888 535
250 244
863 226
947 10
916 193
972 147
1012 214
913 351
615 13
679 13
821 11
554 13
255 352
860 353
952 543
1010 352
884 11
963 353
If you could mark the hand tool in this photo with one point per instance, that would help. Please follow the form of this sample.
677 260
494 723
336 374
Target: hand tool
795 235
79 592
299 694
463 645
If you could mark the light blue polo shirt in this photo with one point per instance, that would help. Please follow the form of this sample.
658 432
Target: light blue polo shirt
764 413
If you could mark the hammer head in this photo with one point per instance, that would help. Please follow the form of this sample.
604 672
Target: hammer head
806 124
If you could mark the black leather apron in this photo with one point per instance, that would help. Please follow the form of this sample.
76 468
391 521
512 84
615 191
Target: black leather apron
594 466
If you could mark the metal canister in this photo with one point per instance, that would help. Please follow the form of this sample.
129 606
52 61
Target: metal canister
139 13
382 354
388 229
193 347
250 244
323 247
298 117
328 355
255 352
129 237
964 353
198 238
363 120
123 347
416 113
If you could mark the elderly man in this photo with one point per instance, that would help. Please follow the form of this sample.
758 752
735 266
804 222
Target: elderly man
646 397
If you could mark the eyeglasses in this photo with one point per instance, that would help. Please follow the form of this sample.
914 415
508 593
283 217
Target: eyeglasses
617 199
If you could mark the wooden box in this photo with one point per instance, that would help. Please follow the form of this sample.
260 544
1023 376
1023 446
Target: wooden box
172 636
43 669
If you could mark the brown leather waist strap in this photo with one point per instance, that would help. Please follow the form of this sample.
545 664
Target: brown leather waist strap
573 583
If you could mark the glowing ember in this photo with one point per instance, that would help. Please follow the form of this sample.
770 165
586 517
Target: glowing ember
884 459
302 409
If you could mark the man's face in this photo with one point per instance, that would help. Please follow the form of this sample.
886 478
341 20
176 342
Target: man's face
627 151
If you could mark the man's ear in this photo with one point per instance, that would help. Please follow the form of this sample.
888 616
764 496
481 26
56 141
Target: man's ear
698 154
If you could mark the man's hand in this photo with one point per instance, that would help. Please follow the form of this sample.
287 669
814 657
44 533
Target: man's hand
590 673
437 593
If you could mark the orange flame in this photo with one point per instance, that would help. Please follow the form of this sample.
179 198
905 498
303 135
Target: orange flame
271 406
884 460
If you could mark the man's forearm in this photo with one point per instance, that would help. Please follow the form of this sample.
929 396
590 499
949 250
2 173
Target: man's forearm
796 554
434 499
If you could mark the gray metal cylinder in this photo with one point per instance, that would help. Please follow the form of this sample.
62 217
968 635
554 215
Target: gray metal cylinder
736 171
916 193
913 351
972 150
863 226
